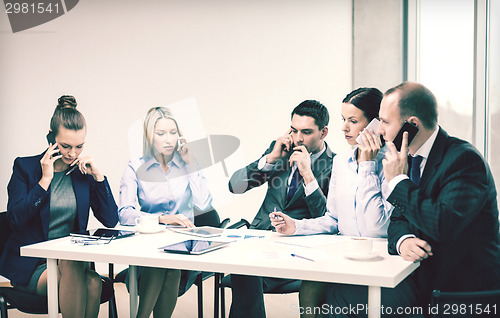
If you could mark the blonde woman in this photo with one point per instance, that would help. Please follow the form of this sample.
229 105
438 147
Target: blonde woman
165 182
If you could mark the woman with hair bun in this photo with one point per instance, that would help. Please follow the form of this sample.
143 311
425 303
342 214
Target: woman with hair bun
49 196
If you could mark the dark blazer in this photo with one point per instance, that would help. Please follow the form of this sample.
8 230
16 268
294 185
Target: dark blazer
299 206
455 210
28 212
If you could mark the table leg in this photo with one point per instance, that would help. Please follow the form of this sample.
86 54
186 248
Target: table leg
132 283
52 297
374 301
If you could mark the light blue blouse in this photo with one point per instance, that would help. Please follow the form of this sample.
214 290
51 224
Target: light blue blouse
156 192
356 203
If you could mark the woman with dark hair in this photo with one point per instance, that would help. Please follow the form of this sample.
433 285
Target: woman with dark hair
50 196
356 203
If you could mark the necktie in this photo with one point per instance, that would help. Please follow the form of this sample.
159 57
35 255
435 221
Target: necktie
294 184
415 169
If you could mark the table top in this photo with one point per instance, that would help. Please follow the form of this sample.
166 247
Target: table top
268 256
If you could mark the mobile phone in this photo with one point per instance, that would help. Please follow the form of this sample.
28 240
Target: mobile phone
283 147
372 126
51 139
103 233
412 130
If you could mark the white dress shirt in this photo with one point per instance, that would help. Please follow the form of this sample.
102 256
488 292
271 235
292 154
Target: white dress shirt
144 183
356 202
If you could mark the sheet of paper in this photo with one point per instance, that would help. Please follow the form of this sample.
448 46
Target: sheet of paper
243 234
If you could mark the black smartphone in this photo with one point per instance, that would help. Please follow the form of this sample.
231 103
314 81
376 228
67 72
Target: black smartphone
412 130
103 233
51 139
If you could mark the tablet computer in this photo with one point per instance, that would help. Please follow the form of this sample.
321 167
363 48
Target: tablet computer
103 233
203 231
194 247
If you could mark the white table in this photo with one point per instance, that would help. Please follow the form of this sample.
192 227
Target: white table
258 257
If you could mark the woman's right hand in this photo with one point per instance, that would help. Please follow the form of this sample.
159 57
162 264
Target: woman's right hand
282 223
371 147
47 164
176 219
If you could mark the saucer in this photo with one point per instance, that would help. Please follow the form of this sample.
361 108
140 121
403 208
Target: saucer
154 229
364 256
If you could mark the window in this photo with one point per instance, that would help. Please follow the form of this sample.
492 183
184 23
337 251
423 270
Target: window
446 56
494 91
453 47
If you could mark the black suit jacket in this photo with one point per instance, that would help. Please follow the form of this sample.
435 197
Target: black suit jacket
28 211
299 205
455 210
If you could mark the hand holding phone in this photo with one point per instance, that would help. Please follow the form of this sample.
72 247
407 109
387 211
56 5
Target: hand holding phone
51 139
412 130
282 147
47 165
372 126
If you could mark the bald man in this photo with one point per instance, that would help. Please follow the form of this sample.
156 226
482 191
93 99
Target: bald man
446 212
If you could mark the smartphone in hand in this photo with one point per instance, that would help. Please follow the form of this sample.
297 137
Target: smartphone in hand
372 126
51 139
412 130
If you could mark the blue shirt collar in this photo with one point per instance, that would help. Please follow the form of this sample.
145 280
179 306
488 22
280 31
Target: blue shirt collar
176 160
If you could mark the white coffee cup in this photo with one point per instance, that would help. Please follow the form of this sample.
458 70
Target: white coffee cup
147 222
359 245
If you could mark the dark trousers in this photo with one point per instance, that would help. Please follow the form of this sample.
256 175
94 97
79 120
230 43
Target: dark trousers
248 294
351 301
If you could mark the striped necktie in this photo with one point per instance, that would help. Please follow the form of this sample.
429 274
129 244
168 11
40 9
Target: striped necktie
415 169
294 185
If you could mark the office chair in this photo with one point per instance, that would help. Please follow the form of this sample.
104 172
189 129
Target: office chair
11 298
210 218
465 304
222 281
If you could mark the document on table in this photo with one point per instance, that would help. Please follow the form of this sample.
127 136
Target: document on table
244 234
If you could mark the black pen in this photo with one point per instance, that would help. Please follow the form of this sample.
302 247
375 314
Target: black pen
71 170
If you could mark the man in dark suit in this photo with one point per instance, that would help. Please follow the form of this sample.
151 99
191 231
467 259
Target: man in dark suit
297 168
449 218
446 213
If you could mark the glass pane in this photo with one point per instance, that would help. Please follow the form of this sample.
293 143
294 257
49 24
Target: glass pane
446 61
494 90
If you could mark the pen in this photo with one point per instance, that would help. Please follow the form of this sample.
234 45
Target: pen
71 170
277 217
298 256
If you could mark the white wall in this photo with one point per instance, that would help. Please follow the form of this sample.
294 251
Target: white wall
377 43
247 63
